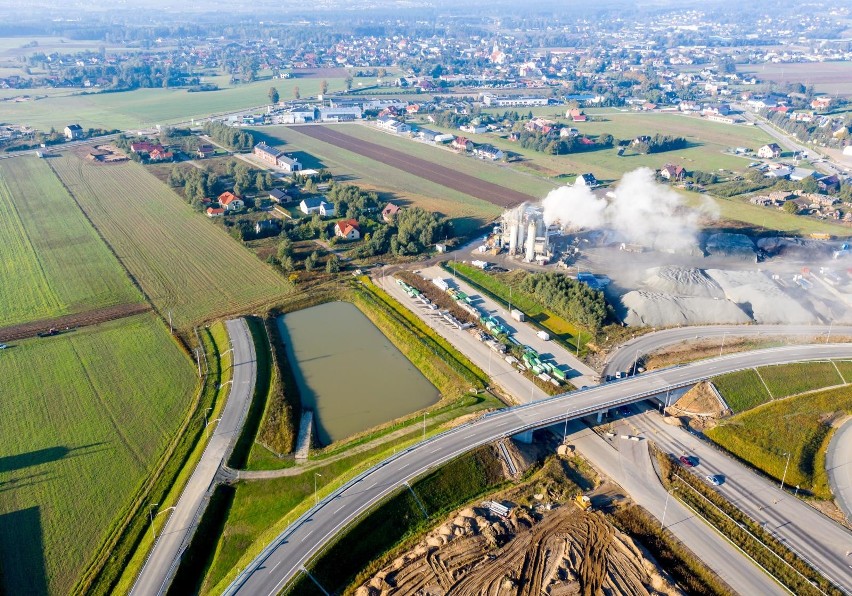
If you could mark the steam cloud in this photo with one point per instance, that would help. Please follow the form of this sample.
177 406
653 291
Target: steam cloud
640 209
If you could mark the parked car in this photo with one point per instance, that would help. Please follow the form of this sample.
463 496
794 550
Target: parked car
715 479
3 346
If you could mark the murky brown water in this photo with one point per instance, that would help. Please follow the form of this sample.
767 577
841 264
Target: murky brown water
348 372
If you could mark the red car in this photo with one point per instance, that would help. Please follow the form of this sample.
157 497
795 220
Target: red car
686 461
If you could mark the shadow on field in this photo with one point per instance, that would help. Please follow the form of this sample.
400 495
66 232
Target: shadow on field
10 463
22 553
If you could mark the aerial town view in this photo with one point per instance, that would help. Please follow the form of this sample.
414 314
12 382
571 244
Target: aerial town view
375 297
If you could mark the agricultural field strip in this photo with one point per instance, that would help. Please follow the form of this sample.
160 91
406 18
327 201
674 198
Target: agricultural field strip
55 262
475 187
69 452
89 317
182 262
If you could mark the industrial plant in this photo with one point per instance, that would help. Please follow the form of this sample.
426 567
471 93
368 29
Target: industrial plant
523 232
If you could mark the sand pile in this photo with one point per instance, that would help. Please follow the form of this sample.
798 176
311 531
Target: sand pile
655 309
682 281
730 245
759 296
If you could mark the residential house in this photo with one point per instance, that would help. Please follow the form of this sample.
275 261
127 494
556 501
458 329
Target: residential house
587 179
205 151
74 132
462 144
576 115
347 229
391 125
770 151
473 129
673 172
318 205
160 154
276 195
424 134
326 209
215 212
488 152
230 202
389 212
829 183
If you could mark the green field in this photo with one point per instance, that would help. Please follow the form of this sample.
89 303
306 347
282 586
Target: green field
86 415
468 213
183 263
799 426
744 390
53 262
144 108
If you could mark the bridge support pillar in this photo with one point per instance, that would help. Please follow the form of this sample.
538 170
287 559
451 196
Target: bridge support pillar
601 415
524 437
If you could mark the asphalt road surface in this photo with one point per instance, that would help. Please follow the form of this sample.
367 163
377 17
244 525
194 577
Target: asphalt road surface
624 356
175 535
628 463
838 461
284 557
813 536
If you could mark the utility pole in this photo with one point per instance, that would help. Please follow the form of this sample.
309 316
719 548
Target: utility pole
151 519
424 425
171 328
784 477
316 474
666 507
198 360
722 347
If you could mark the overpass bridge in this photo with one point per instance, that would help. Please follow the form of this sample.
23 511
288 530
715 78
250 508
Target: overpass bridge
285 556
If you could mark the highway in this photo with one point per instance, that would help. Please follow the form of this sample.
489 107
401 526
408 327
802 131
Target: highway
813 536
838 462
176 534
628 463
624 356
283 558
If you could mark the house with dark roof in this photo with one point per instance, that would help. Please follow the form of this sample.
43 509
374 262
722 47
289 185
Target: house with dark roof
266 153
587 179
288 164
673 172
74 132
276 195
770 151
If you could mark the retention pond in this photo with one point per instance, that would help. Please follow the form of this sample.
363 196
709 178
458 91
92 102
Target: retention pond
348 372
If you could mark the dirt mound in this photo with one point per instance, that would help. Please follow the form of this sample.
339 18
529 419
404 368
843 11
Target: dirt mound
567 552
700 400
655 309
795 247
730 245
682 281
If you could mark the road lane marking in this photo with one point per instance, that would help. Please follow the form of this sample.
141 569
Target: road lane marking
276 565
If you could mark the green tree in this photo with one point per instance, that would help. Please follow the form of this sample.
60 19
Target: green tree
348 82
273 95
333 265
296 93
285 249
311 261
790 207
323 86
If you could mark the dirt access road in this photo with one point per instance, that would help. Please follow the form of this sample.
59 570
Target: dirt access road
83 319
475 187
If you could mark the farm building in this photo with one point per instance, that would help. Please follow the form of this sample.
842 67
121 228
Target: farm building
276 195
266 153
319 205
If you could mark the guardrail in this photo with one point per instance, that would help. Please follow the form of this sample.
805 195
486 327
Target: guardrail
243 576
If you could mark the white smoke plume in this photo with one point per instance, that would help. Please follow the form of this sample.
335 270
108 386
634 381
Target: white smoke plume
642 210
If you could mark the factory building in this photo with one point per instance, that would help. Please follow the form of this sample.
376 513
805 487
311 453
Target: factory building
523 233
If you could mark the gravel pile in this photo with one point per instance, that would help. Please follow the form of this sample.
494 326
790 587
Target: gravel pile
730 245
655 309
761 297
682 281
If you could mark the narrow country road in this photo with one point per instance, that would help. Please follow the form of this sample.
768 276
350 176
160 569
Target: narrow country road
176 534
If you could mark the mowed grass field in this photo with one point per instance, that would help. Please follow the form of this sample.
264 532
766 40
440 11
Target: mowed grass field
467 212
52 261
144 108
746 389
85 416
801 426
183 263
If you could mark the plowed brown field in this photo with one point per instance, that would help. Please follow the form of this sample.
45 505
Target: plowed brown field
475 187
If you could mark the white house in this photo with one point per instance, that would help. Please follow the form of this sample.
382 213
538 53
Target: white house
348 229
770 151
73 132
230 202
319 205
587 180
